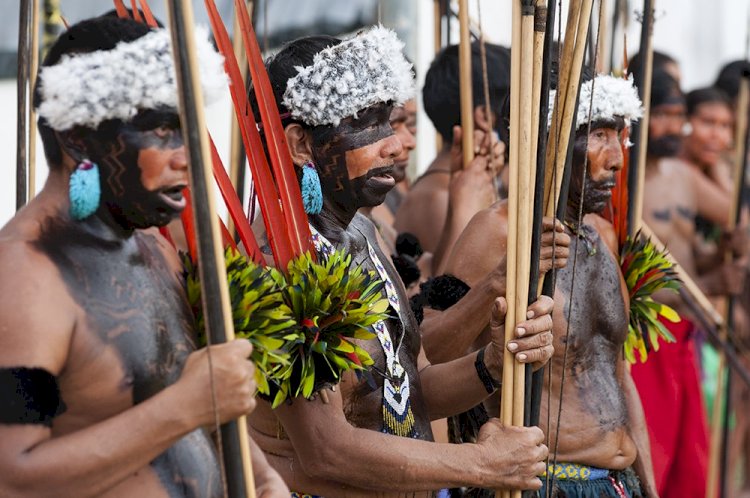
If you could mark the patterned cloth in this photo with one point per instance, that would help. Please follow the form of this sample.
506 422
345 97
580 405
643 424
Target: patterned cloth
303 495
591 483
398 418
575 471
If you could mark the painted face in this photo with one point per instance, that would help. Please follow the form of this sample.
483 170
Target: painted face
711 137
355 159
404 124
143 169
604 159
665 129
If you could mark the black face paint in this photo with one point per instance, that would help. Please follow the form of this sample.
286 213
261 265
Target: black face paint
116 149
29 396
330 146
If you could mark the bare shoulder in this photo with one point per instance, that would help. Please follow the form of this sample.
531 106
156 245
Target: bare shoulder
481 246
606 231
163 247
37 315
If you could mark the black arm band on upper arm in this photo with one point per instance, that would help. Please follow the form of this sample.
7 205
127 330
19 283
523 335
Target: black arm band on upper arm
29 396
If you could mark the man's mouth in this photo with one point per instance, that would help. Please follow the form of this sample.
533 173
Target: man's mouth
382 176
173 197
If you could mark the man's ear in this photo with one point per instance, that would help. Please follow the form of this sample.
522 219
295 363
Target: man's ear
72 143
481 120
299 142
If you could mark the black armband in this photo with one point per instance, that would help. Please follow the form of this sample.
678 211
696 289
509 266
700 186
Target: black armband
444 291
29 396
490 384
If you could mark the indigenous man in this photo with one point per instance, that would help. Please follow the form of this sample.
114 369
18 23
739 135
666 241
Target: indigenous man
442 201
600 437
339 95
102 391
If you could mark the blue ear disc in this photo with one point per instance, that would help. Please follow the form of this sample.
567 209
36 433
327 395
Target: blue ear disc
84 190
312 196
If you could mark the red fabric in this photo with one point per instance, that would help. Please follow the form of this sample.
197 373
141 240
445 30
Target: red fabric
669 385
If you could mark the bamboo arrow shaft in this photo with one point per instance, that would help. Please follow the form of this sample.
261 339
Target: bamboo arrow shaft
214 291
465 84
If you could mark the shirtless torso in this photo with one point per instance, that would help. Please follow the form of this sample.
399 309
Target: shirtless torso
117 329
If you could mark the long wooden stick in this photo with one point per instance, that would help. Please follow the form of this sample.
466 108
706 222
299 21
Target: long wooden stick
637 166
508 397
22 81
545 22
214 289
465 83
32 82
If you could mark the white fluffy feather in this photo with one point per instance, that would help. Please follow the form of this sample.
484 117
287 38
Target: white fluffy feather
613 97
86 89
346 78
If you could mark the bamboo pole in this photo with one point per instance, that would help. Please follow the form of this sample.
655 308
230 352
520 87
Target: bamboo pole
214 289
568 120
525 200
508 409
465 83
574 50
24 42
637 170
32 82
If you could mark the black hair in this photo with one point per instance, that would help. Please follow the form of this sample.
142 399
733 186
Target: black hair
659 62
706 95
90 35
665 89
441 92
729 77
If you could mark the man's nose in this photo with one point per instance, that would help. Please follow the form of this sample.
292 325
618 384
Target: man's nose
178 161
392 147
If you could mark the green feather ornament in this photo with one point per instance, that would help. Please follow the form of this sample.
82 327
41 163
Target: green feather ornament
646 270
304 326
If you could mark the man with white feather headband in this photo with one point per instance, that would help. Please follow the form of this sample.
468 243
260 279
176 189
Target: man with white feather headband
103 393
370 435
590 411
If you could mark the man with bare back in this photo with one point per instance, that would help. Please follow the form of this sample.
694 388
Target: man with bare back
103 393
597 435
371 435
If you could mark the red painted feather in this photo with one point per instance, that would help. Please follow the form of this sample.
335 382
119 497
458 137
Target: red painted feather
273 217
226 237
188 225
150 19
136 13
234 206
281 160
122 11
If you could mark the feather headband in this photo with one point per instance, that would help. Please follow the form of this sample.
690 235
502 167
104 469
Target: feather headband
613 97
346 78
89 88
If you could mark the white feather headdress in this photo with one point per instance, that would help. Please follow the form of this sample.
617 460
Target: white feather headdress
613 97
89 88
346 78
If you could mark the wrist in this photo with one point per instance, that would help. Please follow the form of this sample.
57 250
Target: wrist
489 368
